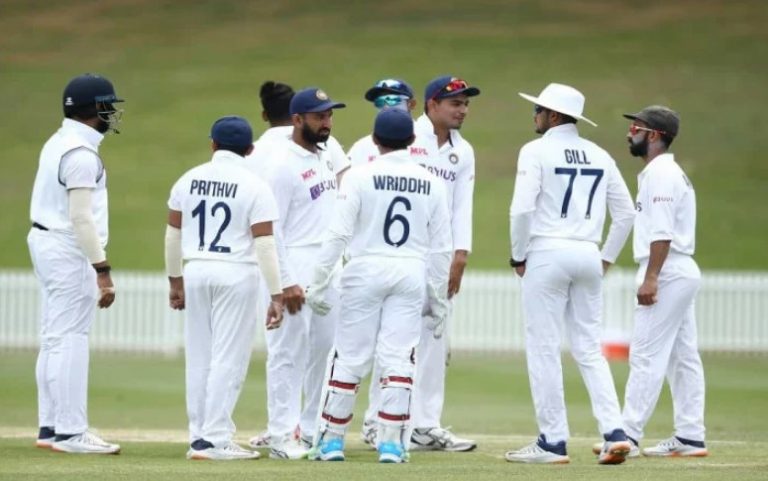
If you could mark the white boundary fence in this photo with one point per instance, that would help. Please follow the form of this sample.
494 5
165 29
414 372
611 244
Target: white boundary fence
732 312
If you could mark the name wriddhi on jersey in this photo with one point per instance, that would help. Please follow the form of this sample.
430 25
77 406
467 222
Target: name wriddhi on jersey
213 188
402 184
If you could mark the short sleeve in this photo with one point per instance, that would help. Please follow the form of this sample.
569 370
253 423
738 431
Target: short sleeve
80 169
264 206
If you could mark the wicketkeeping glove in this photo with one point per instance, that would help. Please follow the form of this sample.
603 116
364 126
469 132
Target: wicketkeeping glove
438 307
314 294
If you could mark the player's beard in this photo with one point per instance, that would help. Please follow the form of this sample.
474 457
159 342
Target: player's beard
102 126
312 137
639 149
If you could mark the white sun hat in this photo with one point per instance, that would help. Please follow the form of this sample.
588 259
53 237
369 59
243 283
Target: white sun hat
561 98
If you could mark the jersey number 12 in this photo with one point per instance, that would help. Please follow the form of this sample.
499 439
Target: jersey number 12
200 212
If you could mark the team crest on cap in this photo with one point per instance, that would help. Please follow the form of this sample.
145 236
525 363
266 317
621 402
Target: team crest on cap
321 95
69 101
453 158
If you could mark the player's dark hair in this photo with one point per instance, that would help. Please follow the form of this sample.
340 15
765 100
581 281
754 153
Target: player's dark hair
567 119
276 100
394 144
241 151
667 139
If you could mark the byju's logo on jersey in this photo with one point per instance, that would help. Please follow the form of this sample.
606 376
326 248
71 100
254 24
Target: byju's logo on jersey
445 174
317 190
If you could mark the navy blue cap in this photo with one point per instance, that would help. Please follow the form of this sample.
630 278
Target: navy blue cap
232 131
389 86
312 99
393 124
448 86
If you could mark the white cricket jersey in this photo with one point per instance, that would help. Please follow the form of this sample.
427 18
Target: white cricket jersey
666 208
70 160
219 202
393 208
304 184
276 135
566 182
454 163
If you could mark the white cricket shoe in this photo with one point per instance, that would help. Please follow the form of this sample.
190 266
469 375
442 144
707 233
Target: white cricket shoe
673 447
634 450
439 439
287 448
229 452
262 440
535 454
85 443
370 433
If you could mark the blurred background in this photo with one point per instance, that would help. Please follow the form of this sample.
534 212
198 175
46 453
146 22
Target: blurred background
182 64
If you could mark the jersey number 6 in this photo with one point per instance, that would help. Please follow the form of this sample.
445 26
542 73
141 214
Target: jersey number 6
200 211
391 218
596 173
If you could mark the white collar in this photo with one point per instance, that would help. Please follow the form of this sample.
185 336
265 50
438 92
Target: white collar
664 158
88 133
226 156
562 129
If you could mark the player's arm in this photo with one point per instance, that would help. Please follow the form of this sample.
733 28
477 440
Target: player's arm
461 221
282 184
341 162
173 260
622 211
439 261
337 237
79 172
662 215
527 189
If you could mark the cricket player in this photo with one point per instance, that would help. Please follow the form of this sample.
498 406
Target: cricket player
564 183
220 221
445 153
301 174
275 100
397 213
69 234
664 337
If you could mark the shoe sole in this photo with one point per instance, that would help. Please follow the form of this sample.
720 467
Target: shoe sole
390 459
54 448
332 457
43 445
676 454
617 454
285 457
530 461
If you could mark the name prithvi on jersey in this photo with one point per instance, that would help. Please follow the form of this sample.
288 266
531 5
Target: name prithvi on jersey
213 188
402 184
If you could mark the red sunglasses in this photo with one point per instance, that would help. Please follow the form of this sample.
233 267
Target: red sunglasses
454 85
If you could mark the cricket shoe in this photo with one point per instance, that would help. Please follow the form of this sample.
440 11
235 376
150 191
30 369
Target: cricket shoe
675 446
615 448
370 433
634 449
331 449
287 447
45 437
263 439
204 450
391 452
84 443
439 439
540 452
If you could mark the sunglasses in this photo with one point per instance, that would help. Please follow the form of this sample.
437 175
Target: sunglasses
634 129
454 85
537 109
389 100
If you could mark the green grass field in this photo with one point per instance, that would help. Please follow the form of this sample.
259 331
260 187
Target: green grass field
140 401
181 65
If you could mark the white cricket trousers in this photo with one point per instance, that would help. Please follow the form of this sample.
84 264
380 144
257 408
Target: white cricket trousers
68 308
664 343
429 387
297 354
220 316
563 287
378 321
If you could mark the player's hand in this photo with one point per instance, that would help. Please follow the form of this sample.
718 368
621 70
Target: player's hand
457 272
606 266
176 293
275 312
520 270
316 300
293 298
106 289
646 294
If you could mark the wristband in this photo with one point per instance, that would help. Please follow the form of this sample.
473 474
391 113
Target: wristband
514 263
103 269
